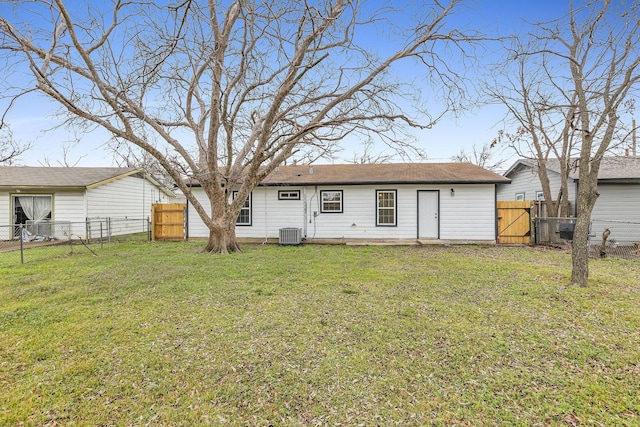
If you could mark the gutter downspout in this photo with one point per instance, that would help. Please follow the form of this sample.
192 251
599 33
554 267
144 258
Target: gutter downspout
304 211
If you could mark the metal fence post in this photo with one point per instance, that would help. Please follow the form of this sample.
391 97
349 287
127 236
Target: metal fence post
21 245
101 240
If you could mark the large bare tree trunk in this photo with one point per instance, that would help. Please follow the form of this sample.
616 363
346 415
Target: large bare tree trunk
222 238
587 196
580 252
222 221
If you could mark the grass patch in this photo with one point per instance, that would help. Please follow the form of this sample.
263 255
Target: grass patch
162 334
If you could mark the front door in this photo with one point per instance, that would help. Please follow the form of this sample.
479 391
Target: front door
428 215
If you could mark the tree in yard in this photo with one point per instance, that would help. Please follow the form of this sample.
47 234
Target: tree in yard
9 148
589 64
224 92
482 157
541 112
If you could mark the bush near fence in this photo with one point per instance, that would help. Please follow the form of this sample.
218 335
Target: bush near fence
46 239
623 240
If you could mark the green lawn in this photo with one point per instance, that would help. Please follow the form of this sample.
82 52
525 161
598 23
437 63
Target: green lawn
161 334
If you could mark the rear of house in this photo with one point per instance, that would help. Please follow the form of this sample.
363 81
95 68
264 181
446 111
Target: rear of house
452 202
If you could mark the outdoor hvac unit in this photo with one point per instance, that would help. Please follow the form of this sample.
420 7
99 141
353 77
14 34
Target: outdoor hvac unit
290 236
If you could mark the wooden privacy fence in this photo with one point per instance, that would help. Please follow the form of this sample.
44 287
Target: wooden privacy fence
514 222
168 221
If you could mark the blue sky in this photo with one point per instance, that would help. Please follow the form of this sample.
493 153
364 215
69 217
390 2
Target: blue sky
33 117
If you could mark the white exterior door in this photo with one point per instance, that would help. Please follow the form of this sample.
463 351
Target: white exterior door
428 215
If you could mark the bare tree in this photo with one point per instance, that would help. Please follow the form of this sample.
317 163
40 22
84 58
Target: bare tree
225 92
590 62
542 113
482 156
10 149
125 155
368 156
66 161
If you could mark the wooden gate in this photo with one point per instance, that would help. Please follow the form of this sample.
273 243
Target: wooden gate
514 222
168 221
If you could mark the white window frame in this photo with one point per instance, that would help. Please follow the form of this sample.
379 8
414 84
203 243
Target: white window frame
289 195
520 197
246 208
336 205
393 209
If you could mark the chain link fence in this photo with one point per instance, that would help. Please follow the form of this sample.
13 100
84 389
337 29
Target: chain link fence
36 240
622 237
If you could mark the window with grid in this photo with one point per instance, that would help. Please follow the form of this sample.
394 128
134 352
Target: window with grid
244 217
386 212
331 201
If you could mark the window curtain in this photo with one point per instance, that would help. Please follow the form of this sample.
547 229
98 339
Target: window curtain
36 208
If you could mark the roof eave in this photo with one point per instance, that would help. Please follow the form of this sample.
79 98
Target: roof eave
33 188
115 178
433 182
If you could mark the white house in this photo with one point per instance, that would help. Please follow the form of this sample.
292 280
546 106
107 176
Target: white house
447 202
618 186
65 195
525 183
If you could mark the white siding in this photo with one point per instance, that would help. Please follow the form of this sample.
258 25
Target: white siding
469 215
6 232
5 208
525 180
68 206
269 214
619 203
129 197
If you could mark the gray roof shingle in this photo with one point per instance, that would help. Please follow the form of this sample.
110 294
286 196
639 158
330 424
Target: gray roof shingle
83 177
611 168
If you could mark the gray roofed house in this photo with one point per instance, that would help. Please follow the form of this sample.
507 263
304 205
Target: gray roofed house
30 195
618 186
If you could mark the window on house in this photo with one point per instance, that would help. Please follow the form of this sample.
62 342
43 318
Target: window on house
519 197
32 208
289 195
244 217
386 211
331 201
34 211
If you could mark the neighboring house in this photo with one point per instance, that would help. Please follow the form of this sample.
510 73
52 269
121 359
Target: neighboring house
525 184
75 194
453 202
618 185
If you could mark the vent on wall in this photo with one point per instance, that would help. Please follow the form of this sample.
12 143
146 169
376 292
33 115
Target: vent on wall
290 236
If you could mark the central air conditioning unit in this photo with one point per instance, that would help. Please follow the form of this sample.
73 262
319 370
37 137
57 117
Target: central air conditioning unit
290 236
